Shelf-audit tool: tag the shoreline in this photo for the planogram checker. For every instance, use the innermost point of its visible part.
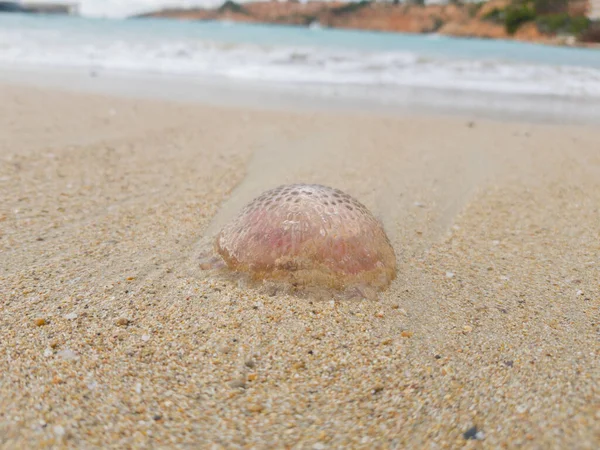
(558, 42)
(385, 100)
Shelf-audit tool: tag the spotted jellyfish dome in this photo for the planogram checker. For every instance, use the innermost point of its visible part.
(309, 234)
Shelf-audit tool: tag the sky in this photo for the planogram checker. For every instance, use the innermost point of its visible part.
(124, 8)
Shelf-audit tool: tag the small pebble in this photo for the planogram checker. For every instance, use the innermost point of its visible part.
(122, 322)
(473, 433)
(449, 274)
(145, 337)
(377, 389)
(299, 365)
(40, 322)
(237, 384)
(467, 329)
(225, 349)
(406, 334)
(71, 316)
(67, 355)
(255, 408)
(59, 431)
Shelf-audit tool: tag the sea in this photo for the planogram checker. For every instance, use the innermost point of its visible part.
(299, 56)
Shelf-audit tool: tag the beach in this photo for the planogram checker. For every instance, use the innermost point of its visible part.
(112, 336)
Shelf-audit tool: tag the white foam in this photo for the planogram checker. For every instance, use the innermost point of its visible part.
(132, 50)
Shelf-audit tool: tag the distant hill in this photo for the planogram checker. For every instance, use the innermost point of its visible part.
(11, 7)
(494, 19)
(39, 8)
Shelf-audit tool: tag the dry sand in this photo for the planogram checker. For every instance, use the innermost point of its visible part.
(111, 335)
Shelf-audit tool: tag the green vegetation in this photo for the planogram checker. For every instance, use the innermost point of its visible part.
(351, 7)
(230, 5)
(562, 24)
(550, 16)
(517, 15)
(545, 7)
(308, 19)
(496, 15)
(437, 24)
(592, 33)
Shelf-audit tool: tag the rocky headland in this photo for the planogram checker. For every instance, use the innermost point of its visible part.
(495, 19)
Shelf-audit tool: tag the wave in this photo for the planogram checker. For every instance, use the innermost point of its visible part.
(180, 54)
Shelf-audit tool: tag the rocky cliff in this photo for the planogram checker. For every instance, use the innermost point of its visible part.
(465, 20)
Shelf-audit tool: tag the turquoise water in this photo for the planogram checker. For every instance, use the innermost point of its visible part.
(298, 55)
(426, 45)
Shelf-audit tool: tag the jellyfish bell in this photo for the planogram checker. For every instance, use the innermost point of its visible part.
(308, 235)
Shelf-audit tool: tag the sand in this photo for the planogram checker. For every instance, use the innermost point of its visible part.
(112, 337)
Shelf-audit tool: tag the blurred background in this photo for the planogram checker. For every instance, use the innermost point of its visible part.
(518, 55)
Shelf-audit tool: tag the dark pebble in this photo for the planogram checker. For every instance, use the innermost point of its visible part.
(471, 433)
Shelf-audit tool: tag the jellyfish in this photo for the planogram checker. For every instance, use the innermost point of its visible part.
(308, 235)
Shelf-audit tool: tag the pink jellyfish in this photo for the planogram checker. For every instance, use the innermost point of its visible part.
(309, 235)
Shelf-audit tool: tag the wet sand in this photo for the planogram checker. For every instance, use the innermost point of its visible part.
(112, 336)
